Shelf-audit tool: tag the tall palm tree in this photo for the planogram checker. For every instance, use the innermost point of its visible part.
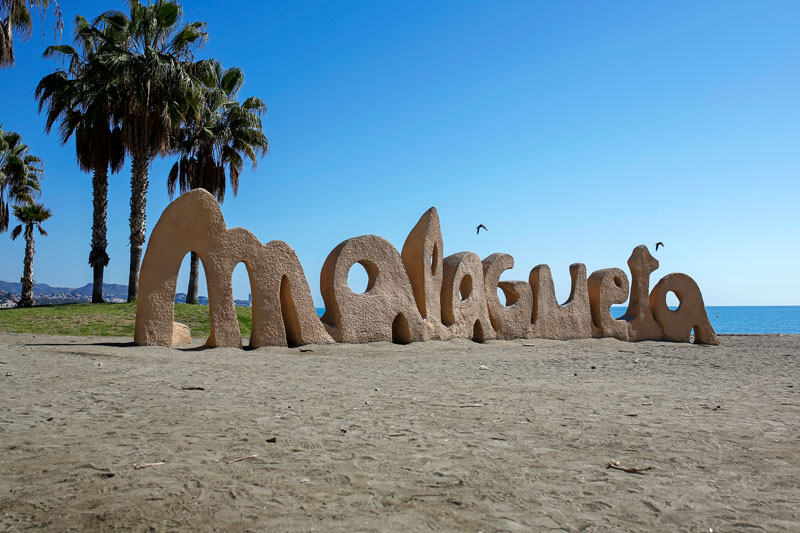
(147, 53)
(20, 172)
(15, 15)
(216, 142)
(81, 100)
(30, 215)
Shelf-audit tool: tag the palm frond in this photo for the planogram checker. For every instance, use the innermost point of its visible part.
(172, 180)
(60, 51)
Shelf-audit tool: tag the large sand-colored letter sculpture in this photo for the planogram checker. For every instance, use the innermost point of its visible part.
(417, 294)
(512, 319)
(386, 311)
(283, 310)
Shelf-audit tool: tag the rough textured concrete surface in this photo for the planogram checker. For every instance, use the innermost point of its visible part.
(282, 304)
(607, 287)
(641, 324)
(549, 320)
(690, 314)
(512, 320)
(181, 334)
(422, 258)
(414, 296)
(386, 311)
(193, 222)
(464, 310)
(283, 310)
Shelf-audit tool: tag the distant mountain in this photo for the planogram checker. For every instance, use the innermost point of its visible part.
(16, 288)
(180, 298)
(43, 289)
(47, 294)
(109, 289)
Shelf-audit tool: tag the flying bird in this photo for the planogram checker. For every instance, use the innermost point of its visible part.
(659, 243)
(479, 228)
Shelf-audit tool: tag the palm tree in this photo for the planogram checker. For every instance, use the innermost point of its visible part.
(15, 15)
(81, 100)
(216, 142)
(147, 54)
(30, 215)
(20, 172)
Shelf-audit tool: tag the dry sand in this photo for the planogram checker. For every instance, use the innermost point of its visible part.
(381, 437)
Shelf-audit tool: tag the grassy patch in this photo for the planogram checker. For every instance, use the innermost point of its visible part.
(104, 320)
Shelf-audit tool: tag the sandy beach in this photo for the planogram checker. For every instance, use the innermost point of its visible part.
(97, 434)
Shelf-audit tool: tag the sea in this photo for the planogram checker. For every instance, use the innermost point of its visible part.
(755, 319)
(739, 319)
(747, 319)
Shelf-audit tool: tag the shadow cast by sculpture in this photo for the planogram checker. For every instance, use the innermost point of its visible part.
(108, 344)
(414, 295)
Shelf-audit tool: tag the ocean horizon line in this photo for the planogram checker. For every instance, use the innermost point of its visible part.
(735, 319)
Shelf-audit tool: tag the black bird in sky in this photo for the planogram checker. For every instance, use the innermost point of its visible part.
(479, 228)
(659, 243)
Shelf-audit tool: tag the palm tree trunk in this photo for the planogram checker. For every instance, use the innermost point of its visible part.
(27, 272)
(4, 214)
(137, 221)
(194, 279)
(98, 258)
(6, 43)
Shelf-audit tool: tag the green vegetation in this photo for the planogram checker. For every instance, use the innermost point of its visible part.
(15, 17)
(217, 140)
(81, 104)
(104, 320)
(20, 174)
(30, 216)
(132, 85)
(147, 56)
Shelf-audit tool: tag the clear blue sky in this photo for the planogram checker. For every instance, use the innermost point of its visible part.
(573, 130)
